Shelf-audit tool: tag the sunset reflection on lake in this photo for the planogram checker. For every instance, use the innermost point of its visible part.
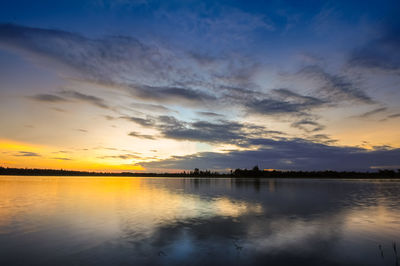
(171, 221)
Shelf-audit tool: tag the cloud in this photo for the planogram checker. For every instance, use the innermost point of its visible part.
(380, 53)
(151, 73)
(85, 98)
(138, 135)
(288, 155)
(109, 117)
(47, 98)
(119, 62)
(321, 138)
(283, 101)
(71, 95)
(122, 156)
(334, 88)
(60, 110)
(209, 114)
(171, 94)
(373, 112)
(27, 154)
(151, 107)
(146, 122)
(61, 158)
(220, 131)
(394, 115)
(216, 24)
(308, 125)
(203, 131)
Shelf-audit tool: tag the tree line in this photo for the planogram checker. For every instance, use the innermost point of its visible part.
(255, 172)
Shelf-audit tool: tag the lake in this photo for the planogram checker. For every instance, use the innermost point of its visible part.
(189, 221)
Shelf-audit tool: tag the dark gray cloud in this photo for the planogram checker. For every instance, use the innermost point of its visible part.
(394, 115)
(27, 154)
(171, 94)
(334, 88)
(373, 112)
(61, 158)
(209, 114)
(221, 131)
(142, 136)
(61, 152)
(380, 53)
(288, 94)
(240, 94)
(122, 156)
(109, 117)
(272, 106)
(308, 125)
(85, 98)
(146, 122)
(322, 138)
(70, 94)
(282, 101)
(287, 155)
(204, 131)
(151, 107)
(47, 98)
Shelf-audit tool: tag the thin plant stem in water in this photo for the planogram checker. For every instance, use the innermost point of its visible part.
(395, 253)
(380, 248)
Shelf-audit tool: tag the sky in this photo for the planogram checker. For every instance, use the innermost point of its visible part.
(165, 86)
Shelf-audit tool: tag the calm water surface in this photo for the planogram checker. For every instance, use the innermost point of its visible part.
(174, 221)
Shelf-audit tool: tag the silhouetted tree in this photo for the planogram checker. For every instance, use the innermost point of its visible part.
(196, 171)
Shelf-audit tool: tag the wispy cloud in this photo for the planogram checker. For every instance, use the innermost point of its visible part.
(97, 101)
(283, 101)
(27, 154)
(170, 94)
(142, 136)
(47, 98)
(308, 125)
(333, 87)
(61, 158)
(141, 121)
(394, 115)
(379, 53)
(373, 112)
(209, 114)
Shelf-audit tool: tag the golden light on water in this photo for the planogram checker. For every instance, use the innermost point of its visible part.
(102, 199)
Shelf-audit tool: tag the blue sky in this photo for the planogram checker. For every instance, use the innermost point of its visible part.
(170, 85)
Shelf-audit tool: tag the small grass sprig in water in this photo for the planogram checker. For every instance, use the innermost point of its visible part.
(395, 253)
(381, 250)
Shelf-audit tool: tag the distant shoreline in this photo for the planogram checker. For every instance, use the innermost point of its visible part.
(238, 173)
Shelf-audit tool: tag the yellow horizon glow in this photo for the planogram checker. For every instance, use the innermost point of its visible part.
(48, 159)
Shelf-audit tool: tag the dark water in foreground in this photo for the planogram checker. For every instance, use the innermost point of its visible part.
(174, 221)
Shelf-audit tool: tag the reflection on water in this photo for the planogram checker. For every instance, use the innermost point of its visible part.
(174, 221)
